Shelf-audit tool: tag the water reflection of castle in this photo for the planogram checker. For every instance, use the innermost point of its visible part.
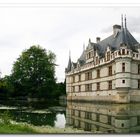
(104, 118)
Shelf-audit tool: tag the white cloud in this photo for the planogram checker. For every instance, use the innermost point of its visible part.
(58, 29)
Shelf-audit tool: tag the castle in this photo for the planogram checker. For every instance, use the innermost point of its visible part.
(108, 70)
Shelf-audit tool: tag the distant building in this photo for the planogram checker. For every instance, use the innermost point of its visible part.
(108, 70)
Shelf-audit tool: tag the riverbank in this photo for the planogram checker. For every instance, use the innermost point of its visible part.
(23, 128)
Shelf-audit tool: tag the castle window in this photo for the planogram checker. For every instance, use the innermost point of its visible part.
(122, 124)
(127, 52)
(79, 124)
(73, 89)
(137, 55)
(87, 126)
(88, 75)
(89, 55)
(110, 85)
(97, 60)
(108, 56)
(98, 86)
(113, 55)
(73, 112)
(138, 83)
(123, 81)
(73, 79)
(109, 120)
(94, 53)
(88, 115)
(79, 87)
(98, 73)
(123, 67)
(110, 71)
(79, 113)
(119, 53)
(123, 51)
(88, 87)
(138, 68)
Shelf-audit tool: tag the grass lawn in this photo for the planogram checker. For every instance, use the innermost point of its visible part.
(8, 126)
(15, 129)
(22, 128)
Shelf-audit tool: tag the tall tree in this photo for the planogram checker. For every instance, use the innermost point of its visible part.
(33, 73)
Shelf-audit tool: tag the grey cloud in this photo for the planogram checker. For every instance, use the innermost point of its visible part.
(133, 24)
(107, 29)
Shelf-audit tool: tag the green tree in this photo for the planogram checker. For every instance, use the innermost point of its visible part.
(5, 87)
(33, 73)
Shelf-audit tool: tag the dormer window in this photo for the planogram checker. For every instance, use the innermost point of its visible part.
(108, 56)
(123, 51)
(119, 53)
(97, 61)
(89, 55)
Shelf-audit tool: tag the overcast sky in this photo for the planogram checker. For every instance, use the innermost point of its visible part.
(58, 29)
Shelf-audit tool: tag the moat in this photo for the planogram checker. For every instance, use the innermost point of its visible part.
(92, 118)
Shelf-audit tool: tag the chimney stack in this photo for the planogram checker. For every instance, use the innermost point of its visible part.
(116, 29)
(98, 39)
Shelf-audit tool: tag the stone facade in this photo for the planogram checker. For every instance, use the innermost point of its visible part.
(107, 70)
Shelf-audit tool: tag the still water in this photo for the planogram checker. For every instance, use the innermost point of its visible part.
(90, 117)
(35, 113)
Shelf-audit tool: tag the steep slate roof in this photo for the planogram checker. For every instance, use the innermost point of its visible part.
(69, 65)
(82, 58)
(123, 36)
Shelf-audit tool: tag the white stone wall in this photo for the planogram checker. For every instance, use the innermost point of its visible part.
(104, 71)
(113, 84)
(82, 88)
(82, 76)
(104, 85)
(133, 121)
(94, 73)
(119, 82)
(122, 123)
(119, 65)
(113, 68)
(134, 68)
(134, 83)
(94, 86)
(130, 76)
(76, 78)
